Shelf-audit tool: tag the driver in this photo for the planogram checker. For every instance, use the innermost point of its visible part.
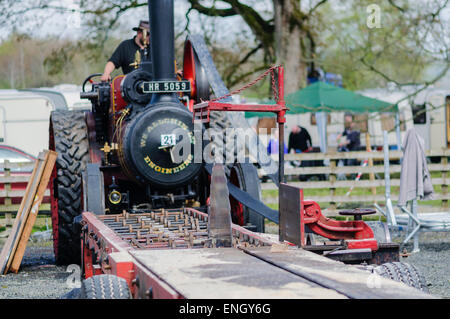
(126, 53)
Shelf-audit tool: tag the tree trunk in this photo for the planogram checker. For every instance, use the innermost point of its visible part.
(288, 39)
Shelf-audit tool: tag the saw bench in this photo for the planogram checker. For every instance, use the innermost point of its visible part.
(162, 259)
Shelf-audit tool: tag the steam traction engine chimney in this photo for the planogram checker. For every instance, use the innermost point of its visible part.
(162, 40)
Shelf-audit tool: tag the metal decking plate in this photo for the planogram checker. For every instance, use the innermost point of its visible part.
(345, 279)
(226, 273)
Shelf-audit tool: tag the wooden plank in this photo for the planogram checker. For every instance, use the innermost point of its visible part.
(8, 220)
(4, 179)
(342, 170)
(21, 217)
(444, 187)
(371, 174)
(347, 183)
(333, 164)
(43, 183)
(7, 200)
(18, 193)
(352, 198)
(226, 273)
(353, 169)
(28, 198)
(15, 207)
(22, 166)
(361, 155)
(8, 246)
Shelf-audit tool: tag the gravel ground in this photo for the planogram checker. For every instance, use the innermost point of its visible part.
(40, 278)
(433, 260)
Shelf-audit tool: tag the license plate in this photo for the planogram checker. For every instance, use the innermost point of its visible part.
(166, 86)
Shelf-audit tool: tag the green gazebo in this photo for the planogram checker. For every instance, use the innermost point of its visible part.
(321, 97)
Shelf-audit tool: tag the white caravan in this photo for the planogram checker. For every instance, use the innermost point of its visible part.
(24, 119)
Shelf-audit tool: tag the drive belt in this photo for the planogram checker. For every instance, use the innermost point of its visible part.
(249, 201)
(237, 118)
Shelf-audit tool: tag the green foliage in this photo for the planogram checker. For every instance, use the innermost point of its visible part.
(38, 228)
(366, 57)
(335, 37)
(26, 62)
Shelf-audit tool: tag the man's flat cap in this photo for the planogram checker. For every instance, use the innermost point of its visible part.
(142, 25)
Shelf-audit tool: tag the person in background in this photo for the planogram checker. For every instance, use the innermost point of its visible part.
(352, 141)
(299, 140)
(273, 146)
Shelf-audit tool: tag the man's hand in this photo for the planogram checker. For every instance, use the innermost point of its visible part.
(105, 77)
(109, 68)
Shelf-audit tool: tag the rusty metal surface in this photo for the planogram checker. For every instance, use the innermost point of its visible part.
(386, 253)
(171, 228)
(226, 273)
(165, 228)
(345, 279)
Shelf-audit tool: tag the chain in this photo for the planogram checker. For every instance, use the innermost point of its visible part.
(259, 78)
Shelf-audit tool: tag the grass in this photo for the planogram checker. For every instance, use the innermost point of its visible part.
(40, 224)
(357, 191)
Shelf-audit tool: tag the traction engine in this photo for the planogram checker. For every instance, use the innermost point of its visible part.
(136, 149)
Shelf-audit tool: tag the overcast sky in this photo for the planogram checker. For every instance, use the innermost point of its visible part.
(45, 23)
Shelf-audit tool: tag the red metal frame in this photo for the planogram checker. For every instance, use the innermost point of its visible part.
(114, 256)
(202, 110)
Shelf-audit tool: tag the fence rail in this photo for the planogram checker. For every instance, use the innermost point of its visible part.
(336, 190)
(13, 180)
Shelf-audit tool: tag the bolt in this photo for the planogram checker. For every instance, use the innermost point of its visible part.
(135, 281)
(149, 293)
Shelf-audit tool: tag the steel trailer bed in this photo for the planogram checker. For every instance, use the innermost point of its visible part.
(161, 259)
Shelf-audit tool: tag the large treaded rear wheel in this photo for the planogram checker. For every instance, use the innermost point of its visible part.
(69, 138)
(402, 272)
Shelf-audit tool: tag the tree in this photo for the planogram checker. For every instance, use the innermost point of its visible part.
(285, 35)
(408, 40)
(300, 34)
